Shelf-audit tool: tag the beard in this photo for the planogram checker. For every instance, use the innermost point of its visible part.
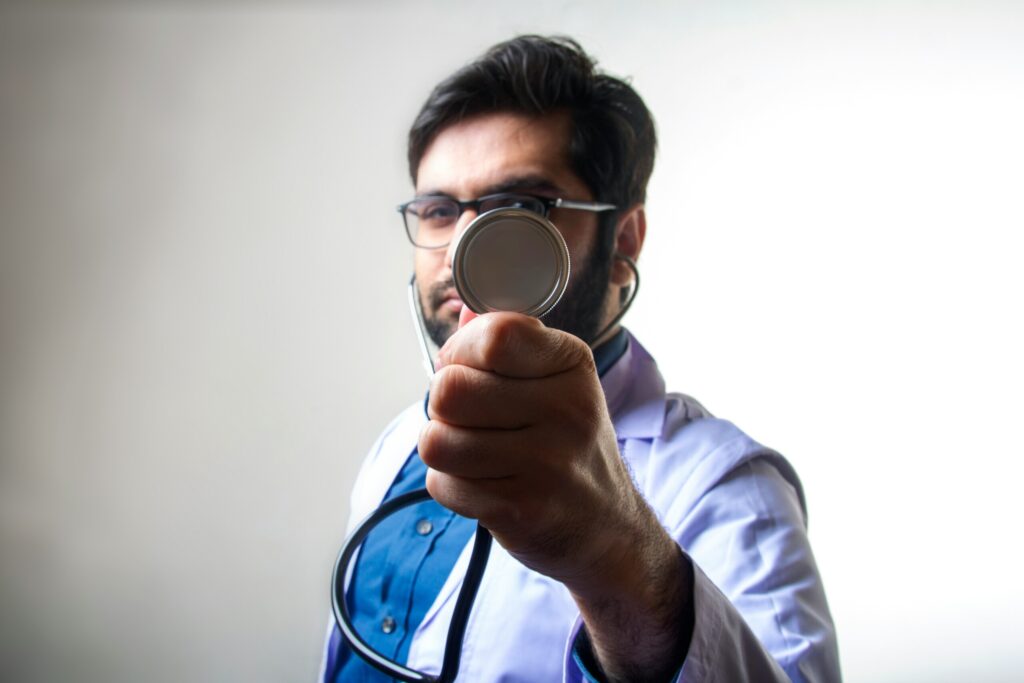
(580, 311)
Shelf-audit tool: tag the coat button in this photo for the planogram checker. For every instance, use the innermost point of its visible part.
(424, 527)
(387, 625)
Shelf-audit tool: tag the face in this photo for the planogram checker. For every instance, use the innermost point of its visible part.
(511, 153)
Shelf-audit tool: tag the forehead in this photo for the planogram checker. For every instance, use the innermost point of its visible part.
(470, 158)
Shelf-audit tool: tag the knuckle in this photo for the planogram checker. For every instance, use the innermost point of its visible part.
(437, 486)
(585, 358)
(578, 354)
(562, 351)
(446, 390)
(448, 491)
(501, 338)
(430, 443)
(427, 443)
(495, 341)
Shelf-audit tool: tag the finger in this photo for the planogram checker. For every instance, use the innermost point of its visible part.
(465, 315)
(467, 397)
(515, 345)
(482, 499)
(473, 453)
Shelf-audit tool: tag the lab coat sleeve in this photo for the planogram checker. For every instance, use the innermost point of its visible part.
(759, 606)
(723, 648)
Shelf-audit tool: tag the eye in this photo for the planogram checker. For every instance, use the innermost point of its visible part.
(436, 210)
(513, 201)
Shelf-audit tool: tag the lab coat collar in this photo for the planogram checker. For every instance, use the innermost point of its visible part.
(385, 461)
(635, 392)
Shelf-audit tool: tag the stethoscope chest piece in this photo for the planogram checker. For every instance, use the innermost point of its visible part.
(511, 260)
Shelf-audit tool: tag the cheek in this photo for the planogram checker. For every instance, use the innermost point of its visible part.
(581, 243)
(427, 264)
(580, 254)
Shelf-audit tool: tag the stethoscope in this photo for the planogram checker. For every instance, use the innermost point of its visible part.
(505, 260)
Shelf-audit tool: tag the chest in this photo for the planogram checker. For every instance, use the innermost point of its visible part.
(518, 628)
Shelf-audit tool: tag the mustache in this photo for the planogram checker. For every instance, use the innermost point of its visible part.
(438, 293)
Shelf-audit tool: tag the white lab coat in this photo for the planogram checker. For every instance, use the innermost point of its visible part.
(734, 506)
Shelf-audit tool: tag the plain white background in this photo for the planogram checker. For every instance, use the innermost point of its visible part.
(204, 327)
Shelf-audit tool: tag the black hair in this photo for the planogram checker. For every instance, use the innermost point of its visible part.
(613, 140)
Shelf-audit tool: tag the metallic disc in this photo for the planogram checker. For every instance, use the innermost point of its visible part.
(511, 260)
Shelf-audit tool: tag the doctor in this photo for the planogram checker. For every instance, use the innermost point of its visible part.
(637, 537)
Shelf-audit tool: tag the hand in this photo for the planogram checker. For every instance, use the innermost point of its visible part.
(519, 438)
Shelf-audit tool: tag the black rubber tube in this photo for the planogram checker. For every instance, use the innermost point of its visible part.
(463, 605)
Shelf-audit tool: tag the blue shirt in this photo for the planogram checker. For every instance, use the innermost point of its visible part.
(404, 562)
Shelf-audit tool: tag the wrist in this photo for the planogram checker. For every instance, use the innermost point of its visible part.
(638, 611)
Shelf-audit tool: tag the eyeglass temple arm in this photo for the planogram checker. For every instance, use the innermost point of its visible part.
(585, 206)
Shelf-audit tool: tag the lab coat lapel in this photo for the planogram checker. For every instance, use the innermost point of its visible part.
(635, 393)
(380, 470)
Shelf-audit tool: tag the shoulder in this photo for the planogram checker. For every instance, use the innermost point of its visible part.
(678, 451)
(409, 421)
(695, 453)
(385, 458)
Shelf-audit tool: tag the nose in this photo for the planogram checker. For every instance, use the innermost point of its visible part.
(461, 224)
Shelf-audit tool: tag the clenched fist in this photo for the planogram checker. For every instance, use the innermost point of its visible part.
(520, 439)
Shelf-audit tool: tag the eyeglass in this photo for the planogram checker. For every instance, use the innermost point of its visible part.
(430, 221)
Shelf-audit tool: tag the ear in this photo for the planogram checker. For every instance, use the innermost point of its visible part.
(629, 240)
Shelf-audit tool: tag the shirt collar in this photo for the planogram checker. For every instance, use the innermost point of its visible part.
(607, 353)
(635, 392)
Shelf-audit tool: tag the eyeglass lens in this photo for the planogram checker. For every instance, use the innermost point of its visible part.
(431, 220)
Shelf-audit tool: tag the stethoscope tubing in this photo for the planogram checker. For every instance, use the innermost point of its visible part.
(463, 604)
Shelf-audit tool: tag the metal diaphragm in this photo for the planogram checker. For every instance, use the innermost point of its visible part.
(511, 260)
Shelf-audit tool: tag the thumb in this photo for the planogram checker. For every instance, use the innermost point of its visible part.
(465, 316)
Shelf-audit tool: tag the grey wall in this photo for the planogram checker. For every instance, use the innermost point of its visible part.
(204, 327)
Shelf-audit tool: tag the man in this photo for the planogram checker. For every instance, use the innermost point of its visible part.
(638, 538)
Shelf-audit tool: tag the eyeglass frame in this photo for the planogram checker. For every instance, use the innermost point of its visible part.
(547, 202)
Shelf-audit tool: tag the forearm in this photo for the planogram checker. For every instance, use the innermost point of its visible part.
(639, 617)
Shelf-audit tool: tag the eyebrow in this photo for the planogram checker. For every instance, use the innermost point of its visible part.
(532, 182)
